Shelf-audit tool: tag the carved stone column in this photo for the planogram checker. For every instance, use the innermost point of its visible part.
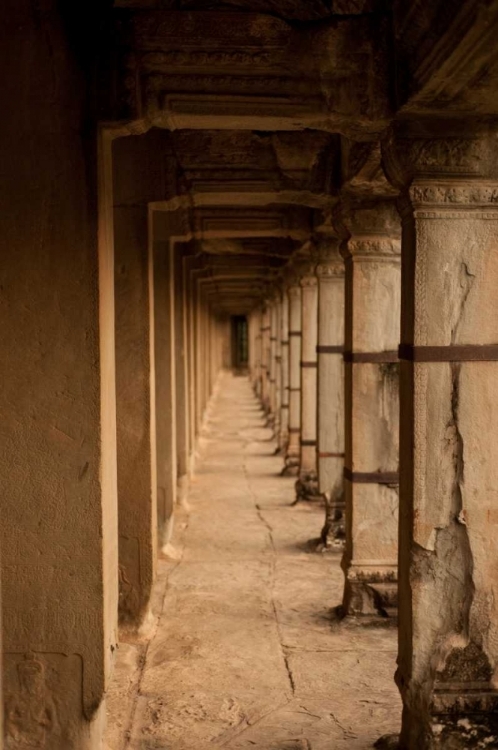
(373, 290)
(283, 437)
(307, 484)
(330, 389)
(448, 647)
(293, 454)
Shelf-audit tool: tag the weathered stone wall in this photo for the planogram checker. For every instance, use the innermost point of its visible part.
(58, 531)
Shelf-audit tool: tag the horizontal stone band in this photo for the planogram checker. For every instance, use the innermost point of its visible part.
(294, 430)
(273, 338)
(332, 349)
(308, 443)
(372, 357)
(330, 455)
(371, 477)
(308, 364)
(451, 353)
(284, 406)
(266, 328)
(294, 390)
(284, 343)
(294, 333)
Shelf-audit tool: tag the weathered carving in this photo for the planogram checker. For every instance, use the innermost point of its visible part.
(406, 156)
(30, 713)
(380, 246)
(308, 281)
(468, 194)
(194, 58)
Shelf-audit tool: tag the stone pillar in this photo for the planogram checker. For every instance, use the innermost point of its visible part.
(265, 359)
(330, 273)
(283, 437)
(307, 484)
(165, 387)
(278, 370)
(135, 386)
(58, 531)
(373, 290)
(272, 379)
(259, 353)
(190, 262)
(181, 384)
(448, 606)
(293, 454)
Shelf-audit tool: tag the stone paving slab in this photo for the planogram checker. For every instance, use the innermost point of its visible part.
(245, 651)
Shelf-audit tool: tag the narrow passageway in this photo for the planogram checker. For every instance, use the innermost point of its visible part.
(246, 653)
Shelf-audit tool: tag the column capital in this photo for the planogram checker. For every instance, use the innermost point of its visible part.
(294, 290)
(369, 228)
(330, 262)
(307, 281)
(442, 152)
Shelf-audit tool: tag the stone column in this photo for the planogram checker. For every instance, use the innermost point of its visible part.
(278, 370)
(307, 484)
(135, 402)
(181, 389)
(257, 345)
(273, 362)
(189, 262)
(293, 454)
(330, 273)
(373, 290)
(58, 531)
(265, 358)
(165, 380)
(135, 387)
(283, 437)
(448, 609)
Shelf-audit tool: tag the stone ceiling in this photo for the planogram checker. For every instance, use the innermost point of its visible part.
(271, 106)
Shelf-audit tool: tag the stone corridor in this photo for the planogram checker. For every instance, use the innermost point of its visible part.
(244, 651)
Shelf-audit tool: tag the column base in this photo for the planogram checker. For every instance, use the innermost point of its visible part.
(460, 731)
(333, 534)
(291, 468)
(370, 593)
(387, 742)
(307, 488)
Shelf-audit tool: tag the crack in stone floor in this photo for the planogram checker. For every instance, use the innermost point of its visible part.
(244, 652)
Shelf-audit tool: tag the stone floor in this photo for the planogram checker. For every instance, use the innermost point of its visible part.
(244, 651)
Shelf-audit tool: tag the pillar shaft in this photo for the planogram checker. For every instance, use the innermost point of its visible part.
(181, 383)
(58, 535)
(273, 314)
(278, 369)
(373, 289)
(265, 358)
(330, 273)
(307, 486)
(294, 447)
(135, 404)
(448, 648)
(283, 438)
